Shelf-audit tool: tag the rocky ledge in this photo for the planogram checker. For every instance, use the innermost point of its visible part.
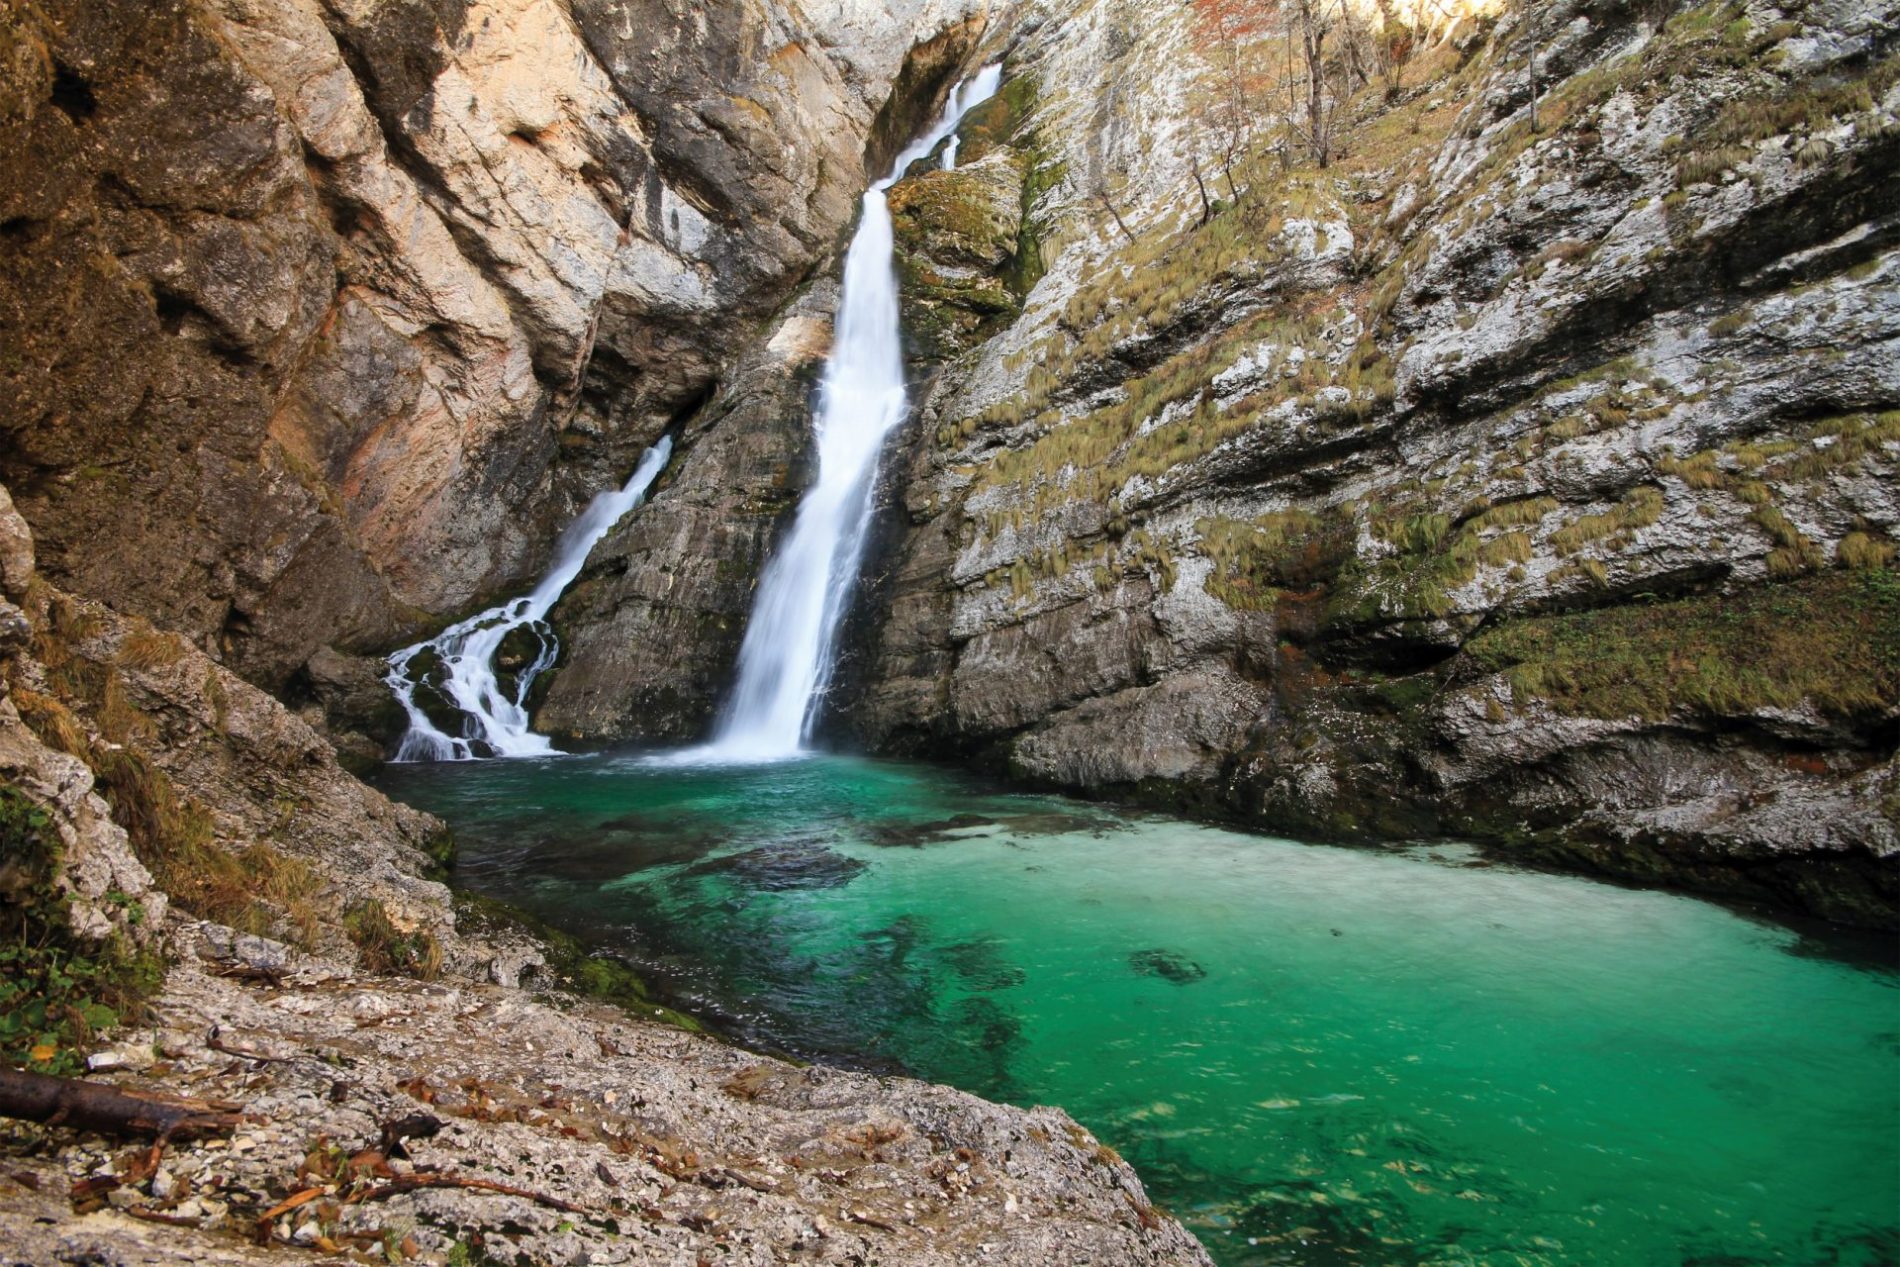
(392, 1120)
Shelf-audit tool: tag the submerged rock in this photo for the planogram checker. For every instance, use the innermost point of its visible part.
(898, 938)
(1169, 965)
(1055, 823)
(981, 965)
(992, 1028)
(917, 835)
(782, 867)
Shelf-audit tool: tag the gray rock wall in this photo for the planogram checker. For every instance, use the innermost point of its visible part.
(1532, 485)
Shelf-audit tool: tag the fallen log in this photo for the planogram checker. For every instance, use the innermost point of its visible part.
(109, 1110)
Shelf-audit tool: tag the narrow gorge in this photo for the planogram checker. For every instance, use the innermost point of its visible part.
(949, 631)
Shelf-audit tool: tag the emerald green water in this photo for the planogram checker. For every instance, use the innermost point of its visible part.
(1313, 1055)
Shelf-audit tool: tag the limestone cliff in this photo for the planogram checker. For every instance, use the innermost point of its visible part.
(1525, 472)
(318, 318)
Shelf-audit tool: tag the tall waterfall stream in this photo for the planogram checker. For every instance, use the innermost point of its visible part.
(787, 654)
(785, 659)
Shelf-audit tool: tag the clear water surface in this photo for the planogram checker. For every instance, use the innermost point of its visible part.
(1313, 1055)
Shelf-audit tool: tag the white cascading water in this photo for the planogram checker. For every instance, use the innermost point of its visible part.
(495, 720)
(806, 588)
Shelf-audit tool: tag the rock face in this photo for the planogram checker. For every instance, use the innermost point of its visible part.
(652, 627)
(1532, 484)
(168, 777)
(320, 319)
(1526, 478)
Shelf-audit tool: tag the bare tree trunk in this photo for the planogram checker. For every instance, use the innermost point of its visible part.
(1207, 207)
(1101, 196)
(1313, 38)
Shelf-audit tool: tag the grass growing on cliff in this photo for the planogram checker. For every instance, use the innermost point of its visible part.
(57, 990)
(388, 949)
(1831, 640)
(1255, 559)
(257, 890)
(90, 715)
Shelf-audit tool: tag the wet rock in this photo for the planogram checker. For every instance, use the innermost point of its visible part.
(354, 696)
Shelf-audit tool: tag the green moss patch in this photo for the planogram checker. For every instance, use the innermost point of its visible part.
(969, 213)
(1831, 640)
(57, 990)
(576, 967)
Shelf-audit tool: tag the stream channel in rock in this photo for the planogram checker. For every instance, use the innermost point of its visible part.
(1312, 1054)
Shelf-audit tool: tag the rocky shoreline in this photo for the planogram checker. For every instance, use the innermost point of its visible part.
(563, 1129)
(638, 1143)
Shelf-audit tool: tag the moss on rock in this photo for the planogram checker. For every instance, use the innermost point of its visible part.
(968, 216)
(57, 990)
(1831, 641)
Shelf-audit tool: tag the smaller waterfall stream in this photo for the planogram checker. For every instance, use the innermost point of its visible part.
(787, 653)
(465, 672)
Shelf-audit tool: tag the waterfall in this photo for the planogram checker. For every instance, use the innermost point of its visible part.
(459, 665)
(786, 656)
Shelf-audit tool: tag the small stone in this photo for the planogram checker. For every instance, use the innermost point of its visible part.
(164, 1184)
(307, 1234)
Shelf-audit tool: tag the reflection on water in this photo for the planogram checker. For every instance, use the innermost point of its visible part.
(1312, 1054)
